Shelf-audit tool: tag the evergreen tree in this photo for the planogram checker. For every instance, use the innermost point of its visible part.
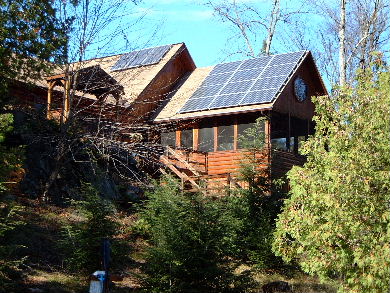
(337, 222)
(29, 34)
(191, 239)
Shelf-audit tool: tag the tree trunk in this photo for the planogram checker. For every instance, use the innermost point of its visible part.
(342, 62)
(271, 29)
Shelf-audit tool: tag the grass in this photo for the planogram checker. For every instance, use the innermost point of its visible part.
(299, 281)
(56, 282)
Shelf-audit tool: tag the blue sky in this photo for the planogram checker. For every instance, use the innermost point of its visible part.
(192, 23)
(188, 22)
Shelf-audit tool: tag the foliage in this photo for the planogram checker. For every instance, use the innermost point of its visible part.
(337, 222)
(255, 207)
(10, 221)
(29, 34)
(10, 157)
(83, 240)
(190, 238)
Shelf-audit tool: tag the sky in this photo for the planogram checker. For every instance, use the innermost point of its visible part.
(206, 36)
(186, 21)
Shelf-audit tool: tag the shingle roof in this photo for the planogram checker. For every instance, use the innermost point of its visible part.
(133, 80)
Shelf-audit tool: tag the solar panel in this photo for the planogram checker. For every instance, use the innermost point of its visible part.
(224, 101)
(207, 91)
(237, 87)
(258, 97)
(196, 104)
(141, 58)
(282, 69)
(255, 63)
(268, 83)
(225, 67)
(287, 58)
(247, 82)
(217, 78)
(245, 75)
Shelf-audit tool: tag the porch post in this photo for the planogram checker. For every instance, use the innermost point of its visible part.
(195, 138)
(49, 98)
(67, 99)
(267, 132)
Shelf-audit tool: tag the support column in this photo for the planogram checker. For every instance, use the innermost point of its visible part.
(267, 132)
(49, 99)
(196, 138)
(235, 135)
(67, 100)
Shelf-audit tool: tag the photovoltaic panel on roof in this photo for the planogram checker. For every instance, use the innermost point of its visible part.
(141, 58)
(244, 75)
(224, 101)
(225, 67)
(237, 87)
(216, 78)
(248, 82)
(255, 63)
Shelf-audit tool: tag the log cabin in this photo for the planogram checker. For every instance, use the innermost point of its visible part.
(199, 115)
(212, 108)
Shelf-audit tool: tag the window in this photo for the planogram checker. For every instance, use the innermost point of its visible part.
(206, 139)
(291, 144)
(279, 143)
(243, 136)
(186, 140)
(249, 136)
(225, 137)
(168, 138)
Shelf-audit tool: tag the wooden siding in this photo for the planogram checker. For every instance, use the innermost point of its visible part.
(283, 161)
(287, 102)
(218, 163)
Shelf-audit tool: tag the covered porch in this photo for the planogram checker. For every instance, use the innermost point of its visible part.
(209, 153)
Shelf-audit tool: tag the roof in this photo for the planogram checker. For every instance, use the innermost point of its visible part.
(133, 78)
(241, 86)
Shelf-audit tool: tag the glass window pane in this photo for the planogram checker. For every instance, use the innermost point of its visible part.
(206, 139)
(291, 144)
(186, 138)
(279, 143)
(168, 138)
(225, 137)
(249, 136)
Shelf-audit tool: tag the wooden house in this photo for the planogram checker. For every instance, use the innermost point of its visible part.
(213, 106)
(197, 114)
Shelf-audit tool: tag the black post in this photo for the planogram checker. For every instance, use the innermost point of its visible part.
(106, 263)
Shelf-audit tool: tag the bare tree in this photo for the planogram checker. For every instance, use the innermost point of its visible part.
(341, 34)
(348, 32)
(255, 24)
(86, 88)
(342, 62)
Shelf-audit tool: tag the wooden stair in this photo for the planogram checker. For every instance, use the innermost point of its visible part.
(182, 168)
(192, 168)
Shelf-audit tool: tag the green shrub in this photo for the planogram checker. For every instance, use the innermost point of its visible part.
(83, 240)
(190, 243)
(10, 261)
(255, 207)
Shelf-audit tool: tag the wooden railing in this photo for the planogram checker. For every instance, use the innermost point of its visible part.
(219, 170)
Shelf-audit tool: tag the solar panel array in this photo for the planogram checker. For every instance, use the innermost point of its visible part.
(141, 58)
(241, 83)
